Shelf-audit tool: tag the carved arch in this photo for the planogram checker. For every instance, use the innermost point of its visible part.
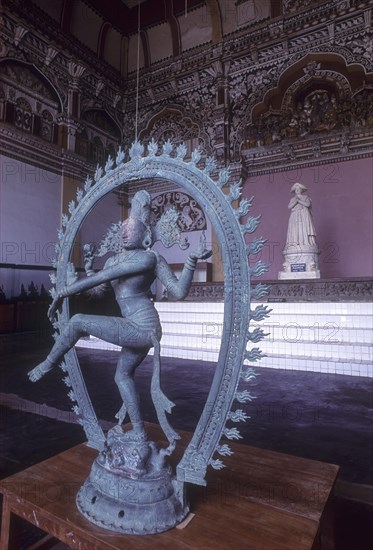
(11, 65)
(172, 123)
(324, 79)
(312, 95)
(332, 67)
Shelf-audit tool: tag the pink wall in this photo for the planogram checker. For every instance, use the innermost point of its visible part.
(30, 200)
(342, 197)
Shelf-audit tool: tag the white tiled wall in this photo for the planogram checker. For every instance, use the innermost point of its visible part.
(319, 337)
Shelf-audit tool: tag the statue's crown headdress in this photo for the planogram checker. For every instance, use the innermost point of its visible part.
(140, 207)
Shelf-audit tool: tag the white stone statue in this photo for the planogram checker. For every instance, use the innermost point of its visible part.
(301, 230)
(301, 250)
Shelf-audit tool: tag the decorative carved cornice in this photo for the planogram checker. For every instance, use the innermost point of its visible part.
(321, 290)
(44, 155)
(247, 63)
(310, 151)
(232, 48)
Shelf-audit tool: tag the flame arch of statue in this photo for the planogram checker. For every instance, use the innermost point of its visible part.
(217, 205)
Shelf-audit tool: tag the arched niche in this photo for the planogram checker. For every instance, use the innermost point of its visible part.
(316, 67)
(313, 95)
(28, 79)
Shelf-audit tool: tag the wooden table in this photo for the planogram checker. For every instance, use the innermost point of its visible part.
(262, 500)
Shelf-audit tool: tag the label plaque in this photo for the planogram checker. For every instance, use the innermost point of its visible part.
(296, 268)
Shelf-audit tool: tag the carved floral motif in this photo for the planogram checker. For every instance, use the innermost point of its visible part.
(174, 126)
(191, 216)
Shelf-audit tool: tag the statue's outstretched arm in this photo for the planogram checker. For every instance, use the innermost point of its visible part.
(117, 269)
(179, 287)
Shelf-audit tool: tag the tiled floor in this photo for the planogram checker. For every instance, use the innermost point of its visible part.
(327, 417)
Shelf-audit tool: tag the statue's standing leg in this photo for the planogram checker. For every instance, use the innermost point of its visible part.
(129, 360)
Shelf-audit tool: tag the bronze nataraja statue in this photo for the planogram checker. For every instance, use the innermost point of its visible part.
(131, 273)
(132, 487)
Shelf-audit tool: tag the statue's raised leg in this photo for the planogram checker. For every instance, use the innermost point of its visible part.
(115, 330)
(78, 326)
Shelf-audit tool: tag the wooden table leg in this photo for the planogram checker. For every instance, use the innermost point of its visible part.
(327, 526)
(5, 539)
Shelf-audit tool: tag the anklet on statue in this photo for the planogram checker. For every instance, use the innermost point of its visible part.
(39, 371)
(46, 366)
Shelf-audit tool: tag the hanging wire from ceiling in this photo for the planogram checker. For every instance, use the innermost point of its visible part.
(138, 63)
(137, 70)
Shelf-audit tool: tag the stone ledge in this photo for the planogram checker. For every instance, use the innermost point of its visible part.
(354, 289)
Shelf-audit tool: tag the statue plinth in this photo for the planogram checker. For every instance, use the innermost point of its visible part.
(300, 262)
(131, 489)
